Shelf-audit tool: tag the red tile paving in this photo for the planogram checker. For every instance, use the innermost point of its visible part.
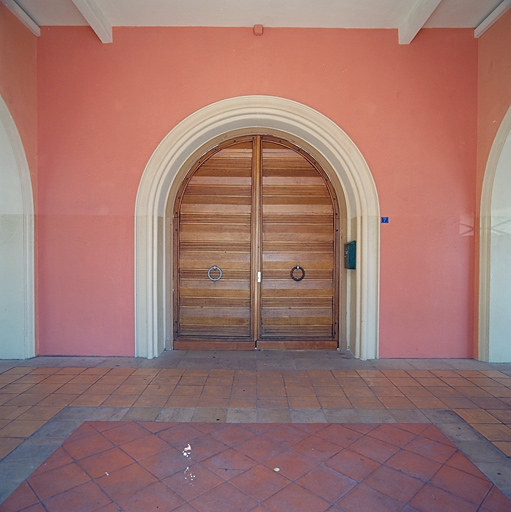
(31, 396)
(155, 466)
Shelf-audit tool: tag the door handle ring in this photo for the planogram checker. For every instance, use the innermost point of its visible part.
(292, 273)
(214, 268)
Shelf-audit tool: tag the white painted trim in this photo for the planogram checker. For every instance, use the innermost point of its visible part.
(22, 16)
(416, 18)
(485, 237)
(492, 18)
(28, 228)
(96, 18)
(180, 148)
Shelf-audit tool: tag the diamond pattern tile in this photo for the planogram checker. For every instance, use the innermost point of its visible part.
(296, 498)
(211, 467)
(193, 481)
(260, 482)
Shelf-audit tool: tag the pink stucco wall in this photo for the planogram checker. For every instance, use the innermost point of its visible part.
(103, 109)
(18, 81)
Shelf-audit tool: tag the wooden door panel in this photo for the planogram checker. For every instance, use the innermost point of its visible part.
(298, 228)
(255, 205)
(214, 219)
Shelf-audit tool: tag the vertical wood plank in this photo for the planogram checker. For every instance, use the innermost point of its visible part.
(256, 237)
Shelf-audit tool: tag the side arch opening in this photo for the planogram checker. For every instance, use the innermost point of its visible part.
(17, 337)
(494, 249)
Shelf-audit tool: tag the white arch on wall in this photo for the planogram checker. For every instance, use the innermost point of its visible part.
(490, 286)
(17, 215)
(178, 151)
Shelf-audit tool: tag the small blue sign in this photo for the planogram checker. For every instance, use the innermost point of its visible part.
(384, 220)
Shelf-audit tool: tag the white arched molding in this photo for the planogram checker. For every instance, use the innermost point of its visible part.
(27, 344)
(191, 138)
(485, 233)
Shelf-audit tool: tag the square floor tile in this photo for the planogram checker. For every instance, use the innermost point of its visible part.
(83, 498)
(105, 462)
(144, 447)
(373, 448)
(179, 435)
(352, 464)
(156, 497)
(393, 483)
(125, 481)
(317, 448)
(20, 499)
(8, 444)
(285, 435)
(496, 501)
(260, 449)
(229, 463)
(492, 431)
(166, 462)
(366, 498)
(414, 464)
(125, 433)
(327, 483)
(87, 446)
(433, 450)
(55, 481)
(291, 464)
(461, 484)
(296, 498)
(393, 435)
(232, 435)
(433, 499)
(192, 481)
(224, 498)
(260, 482)
(204, 447)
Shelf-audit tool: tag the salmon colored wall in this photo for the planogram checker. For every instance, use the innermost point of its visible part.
(18, 81)
(103, 109)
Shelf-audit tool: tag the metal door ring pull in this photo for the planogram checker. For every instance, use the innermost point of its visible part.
(301, 269)
(214, 268)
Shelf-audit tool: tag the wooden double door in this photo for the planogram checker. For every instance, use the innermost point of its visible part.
(255, 261)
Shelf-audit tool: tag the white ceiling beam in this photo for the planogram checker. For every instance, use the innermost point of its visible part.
(96, 18)
(415, 19)
(22, 16)
(492, 18)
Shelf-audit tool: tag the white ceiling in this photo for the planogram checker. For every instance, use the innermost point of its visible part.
(404, 15)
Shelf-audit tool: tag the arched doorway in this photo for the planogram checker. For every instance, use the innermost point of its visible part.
(16, 245)
(495, 247)
(256, 243)
(186, 143)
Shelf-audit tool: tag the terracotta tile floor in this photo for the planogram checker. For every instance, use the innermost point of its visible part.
(261, 467)
(411, 435)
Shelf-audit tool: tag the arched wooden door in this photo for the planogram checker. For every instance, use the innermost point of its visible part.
(256, 237)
